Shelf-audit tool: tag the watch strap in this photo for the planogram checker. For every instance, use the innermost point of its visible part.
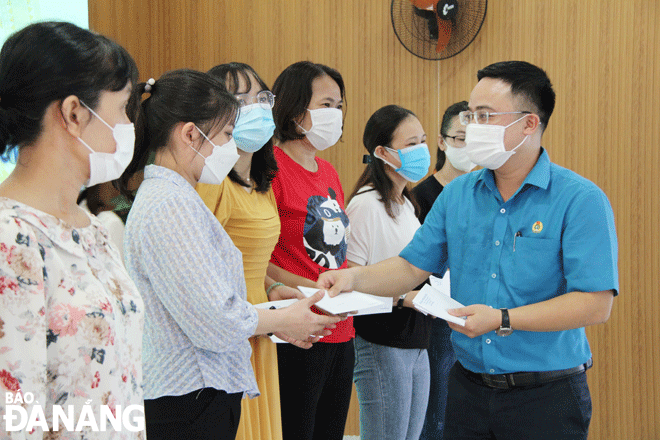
(506, 323)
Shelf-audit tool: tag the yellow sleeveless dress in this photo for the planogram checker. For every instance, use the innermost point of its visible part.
(253, 223)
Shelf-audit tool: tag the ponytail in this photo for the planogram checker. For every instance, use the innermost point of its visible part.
(182, 95)
(135, 112)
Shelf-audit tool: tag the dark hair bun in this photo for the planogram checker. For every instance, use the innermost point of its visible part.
(5, 129)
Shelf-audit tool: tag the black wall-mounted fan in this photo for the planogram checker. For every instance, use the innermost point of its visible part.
(437, 30)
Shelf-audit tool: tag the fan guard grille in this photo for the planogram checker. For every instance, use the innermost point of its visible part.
(413, 31)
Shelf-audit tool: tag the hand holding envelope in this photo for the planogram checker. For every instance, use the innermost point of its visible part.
(348, 302)
(432, 301)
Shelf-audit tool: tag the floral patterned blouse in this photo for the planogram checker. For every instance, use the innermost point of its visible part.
(71, 325)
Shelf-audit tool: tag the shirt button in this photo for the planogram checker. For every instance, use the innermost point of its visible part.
(494, 275)
(497, 243)
(502, 210)
(487, 341)
(492, 371)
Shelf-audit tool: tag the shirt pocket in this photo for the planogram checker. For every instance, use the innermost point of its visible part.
(537, 268)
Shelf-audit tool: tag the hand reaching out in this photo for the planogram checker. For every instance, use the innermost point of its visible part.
(336, 281)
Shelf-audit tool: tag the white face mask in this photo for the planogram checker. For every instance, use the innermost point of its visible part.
(326, 127)
(105, 167)
(484, 144)
(459, 158)
(219, 163)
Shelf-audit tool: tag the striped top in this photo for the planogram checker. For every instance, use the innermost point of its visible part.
(190, 276)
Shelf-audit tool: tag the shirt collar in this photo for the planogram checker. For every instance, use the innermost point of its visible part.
(159, 172)
(539, 176)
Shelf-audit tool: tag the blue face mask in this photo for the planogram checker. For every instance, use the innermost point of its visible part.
(415, 162)
(254, 127)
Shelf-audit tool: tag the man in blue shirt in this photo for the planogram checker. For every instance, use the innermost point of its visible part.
(533, 255)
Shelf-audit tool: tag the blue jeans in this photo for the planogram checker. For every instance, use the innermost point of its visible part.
(393, 389)
(559, 410)
(441, 359)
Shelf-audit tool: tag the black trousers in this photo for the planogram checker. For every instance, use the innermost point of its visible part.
(559, 410)
(315, 390)
(206, 414)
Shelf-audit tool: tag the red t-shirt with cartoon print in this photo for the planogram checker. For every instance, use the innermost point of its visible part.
(314, 227)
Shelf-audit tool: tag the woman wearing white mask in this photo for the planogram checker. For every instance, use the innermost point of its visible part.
(452, 162)
(391, 362)
(452, 159)
(315, 385)
(197, 355)
(70, 317)
(245, 206)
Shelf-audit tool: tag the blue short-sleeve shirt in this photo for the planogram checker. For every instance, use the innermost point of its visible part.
(555, 235)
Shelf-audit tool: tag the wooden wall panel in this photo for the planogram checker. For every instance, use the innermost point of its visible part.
(602, 57)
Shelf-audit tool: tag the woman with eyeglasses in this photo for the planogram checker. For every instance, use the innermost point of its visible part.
(245, 206)
(391, 363)
(452, 161)
(315, 384)
(198, 321)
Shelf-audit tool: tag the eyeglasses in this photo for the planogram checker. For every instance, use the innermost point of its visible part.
(458, 141)
(480, 116)
(264, 98)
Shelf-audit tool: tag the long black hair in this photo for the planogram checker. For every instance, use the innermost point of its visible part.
(178, 96)
(48, 61)
(379, 130)
(264, 165)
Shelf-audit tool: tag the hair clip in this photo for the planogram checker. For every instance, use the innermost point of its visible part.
(148, 86)
(366, 158)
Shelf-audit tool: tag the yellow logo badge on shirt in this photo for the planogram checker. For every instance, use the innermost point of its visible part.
(537, 227)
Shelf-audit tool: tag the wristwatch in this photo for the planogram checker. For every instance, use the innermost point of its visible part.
(399, 303)
(505, 328)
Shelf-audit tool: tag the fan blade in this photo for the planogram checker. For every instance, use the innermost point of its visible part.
(444, 34)
(423, 4)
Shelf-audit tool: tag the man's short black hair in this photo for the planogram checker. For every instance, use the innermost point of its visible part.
(528, 82)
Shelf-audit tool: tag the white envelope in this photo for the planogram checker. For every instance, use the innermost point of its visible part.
(431, 301)
(384, 306)
(442, 284)
(345, 302)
